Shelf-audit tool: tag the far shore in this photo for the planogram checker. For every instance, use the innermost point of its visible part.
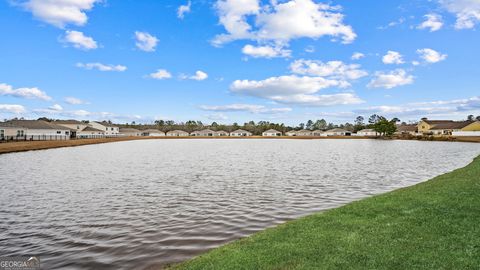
(22, 146)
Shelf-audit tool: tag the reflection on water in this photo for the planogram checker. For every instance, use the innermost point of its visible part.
(131, 205)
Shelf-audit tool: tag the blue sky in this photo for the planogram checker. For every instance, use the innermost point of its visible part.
(239, 60)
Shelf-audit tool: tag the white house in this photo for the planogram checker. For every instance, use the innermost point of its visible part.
(41, 130)
(221, 133)
(272, 133)
(203, 133)
(130, 132)
(337, 132)
(9, 132)
(90, 133)
(177, 133)
(318, 133)
(240, 133)
(110, 129)
(153, 133)
(74, 126)
(291, 133)
(367, 133)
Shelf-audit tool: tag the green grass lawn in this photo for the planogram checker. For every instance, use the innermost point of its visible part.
(432, 225)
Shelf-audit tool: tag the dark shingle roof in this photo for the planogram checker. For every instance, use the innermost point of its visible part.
(36, 124)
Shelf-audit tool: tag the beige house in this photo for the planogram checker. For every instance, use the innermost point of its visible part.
(177, 133)
(367, 133)
(90, 133)
(110, 129)
(153, 133)
(338, 132)
(443, 127)
(472, 130)
(291, 133)
(240, 133)
(407, 130)
(41, 130)
(203, 133)
(130, 132)
(318, 133)
(9, 132)
(304, 132)
(272, 133)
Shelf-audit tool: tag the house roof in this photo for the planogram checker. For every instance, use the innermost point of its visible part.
(337, 130)
(8, 125)
(152, 131)
(407, 128)
(272, 130)
(105, 123)
(318, 131)
(177, 131)
(222, 131)
(204, 131)
(68, 122)
(367, 130)
(92, 129)
(304, 130)
(240, 131)
(451, 125)
(36, 124)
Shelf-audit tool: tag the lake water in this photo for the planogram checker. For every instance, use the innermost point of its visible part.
(144, 204)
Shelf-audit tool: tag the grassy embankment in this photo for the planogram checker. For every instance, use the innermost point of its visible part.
(432, 225)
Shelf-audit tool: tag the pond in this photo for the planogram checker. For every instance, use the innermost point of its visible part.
(145, 204)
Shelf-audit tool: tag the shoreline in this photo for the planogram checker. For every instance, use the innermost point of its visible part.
(424, 226)
(23, 146)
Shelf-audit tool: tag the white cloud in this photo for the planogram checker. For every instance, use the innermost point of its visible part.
(56, 107)
(391, 79)
(79, 40)
(357, 56)
(160, 74)
(12, 108)
(60, 13)
(431, 56)
(280, 21)
(332, 70)
(101, 67)
(433, 22)
(294, 90)
(245, 108)
(184, 9)
(265, 51)
(199, 76)
(466, 11)
(27, 93)
(400, 21)
(74, 101)
(217, 116)
(310, 49)
(393, 57)
(145, 41)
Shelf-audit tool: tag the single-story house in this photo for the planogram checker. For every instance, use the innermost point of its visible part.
(203, 133)
(318, 133)
(472, 129)
(367, 133)
(177, 133)
(110, 129)
(90, 133)
(338, 132)
(240, 133)
(221, 133)
(10, 132)
(41, 130)
(153, 133)
(441, 127)
(291, 133)
(130, 132)
(271, 133)
(304, 132)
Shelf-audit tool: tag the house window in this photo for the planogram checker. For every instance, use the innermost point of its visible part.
(20, 133)
(2, 133)
(59, 132)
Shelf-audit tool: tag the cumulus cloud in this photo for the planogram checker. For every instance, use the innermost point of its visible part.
(332, 69)
(466, 11)
(24, 92)
(75, 101)
(391, 79)
(160, 74)
(357, 56)
(280, 22)
(217, 116)
(102, 67)
(79, 40)
(145, 41)
(433, 22)
(294, 89)
(184, 9)
(56, 107)
(199, 76)
(393, 57)
(60, 13)
(245, 108)
(12, 108)
(266, 51)
(431, 56)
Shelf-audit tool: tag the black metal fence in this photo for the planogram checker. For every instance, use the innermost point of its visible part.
(34, 138)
